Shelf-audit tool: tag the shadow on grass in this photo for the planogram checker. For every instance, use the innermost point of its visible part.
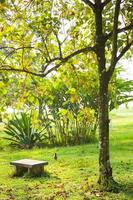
(124, 192)
(127, 189)
(45, 176)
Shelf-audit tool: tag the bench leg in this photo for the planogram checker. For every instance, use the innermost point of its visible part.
(36, 171)
(20, 170)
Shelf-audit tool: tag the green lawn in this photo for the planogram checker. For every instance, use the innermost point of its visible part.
(76, 171)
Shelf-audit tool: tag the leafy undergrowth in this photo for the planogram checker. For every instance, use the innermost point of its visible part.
(74, 175)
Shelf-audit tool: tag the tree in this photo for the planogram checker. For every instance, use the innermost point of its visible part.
(33, 42)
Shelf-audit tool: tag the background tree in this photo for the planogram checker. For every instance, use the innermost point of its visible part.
(36, 37)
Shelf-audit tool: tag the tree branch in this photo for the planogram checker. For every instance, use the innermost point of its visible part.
(45, 44)
(59, 43)
(115, 34)
(19, 48)
(115, 38)
(64, 60)
(55, 67)
(90, 4)
(124, 50)
(44, 67)
(8, 68)
(105, 3)
(13, 50)
(9, 54)
(126, 28)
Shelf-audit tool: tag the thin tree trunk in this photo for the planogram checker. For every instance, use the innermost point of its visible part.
(40, 110)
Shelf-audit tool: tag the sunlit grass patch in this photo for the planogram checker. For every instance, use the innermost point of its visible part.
(74, 175)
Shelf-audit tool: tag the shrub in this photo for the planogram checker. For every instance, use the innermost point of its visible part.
(22, 134)
(69, 128)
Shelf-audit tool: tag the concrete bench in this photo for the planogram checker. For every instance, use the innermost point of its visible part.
(33, 167)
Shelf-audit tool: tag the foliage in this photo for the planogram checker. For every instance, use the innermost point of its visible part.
(56, 102)
(37, 34)
(71, 129)
(22, 134)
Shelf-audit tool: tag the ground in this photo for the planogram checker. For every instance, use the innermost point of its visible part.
(75, 172)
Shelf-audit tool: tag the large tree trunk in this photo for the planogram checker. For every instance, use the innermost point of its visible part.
(105, 170)
(105, 181)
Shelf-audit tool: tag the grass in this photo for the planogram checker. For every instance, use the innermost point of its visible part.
(75, 172)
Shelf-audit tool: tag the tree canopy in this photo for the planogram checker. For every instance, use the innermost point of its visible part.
(29, 30)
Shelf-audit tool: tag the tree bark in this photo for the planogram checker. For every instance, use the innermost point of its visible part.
(105, 170)
(105, 180)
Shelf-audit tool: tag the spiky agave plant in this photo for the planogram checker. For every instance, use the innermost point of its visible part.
(22, 134)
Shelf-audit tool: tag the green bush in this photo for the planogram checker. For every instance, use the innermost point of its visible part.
(69, 128)
(22, 134)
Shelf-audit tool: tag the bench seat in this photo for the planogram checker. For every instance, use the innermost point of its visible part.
(33, 167)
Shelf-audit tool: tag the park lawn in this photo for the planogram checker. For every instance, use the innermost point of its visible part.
(75, 172)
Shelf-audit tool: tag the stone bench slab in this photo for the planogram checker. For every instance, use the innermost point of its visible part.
(33, 167)
(28, 163)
